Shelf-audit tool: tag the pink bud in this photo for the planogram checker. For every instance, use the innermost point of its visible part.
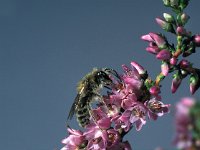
(175, 83)
(163, 55)
(164, 68)
(158, 39)
(173, 61)
(153, 49)
(165, 25)
(196, 39)
(138, 67)
(161, 23)
(184, 63)
(194, 83)
(147, 37)
(154, 90)
(181, 30)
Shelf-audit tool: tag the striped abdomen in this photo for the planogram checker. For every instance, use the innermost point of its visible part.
(83, 111)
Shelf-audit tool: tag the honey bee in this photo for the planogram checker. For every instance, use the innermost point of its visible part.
(88, 90)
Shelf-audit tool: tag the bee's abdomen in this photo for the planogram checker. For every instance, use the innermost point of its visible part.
(82, 114)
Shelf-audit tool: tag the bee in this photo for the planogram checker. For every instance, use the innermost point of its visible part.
(88, 90)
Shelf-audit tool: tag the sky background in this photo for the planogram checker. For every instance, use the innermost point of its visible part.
(47, 46)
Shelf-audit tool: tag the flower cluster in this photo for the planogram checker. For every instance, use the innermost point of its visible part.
(187, 124)
(169, 53)
(183, 138)
(129, 104)
(134, 97)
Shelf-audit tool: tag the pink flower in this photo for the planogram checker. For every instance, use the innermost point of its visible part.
(96, 137)
(183, 138)
(101, 118)
(113, 138)
(156, 108)
(138, 115)
(122, 122)
(156, 41)
(74, 141)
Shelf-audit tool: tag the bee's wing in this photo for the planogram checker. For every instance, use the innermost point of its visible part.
(73, 108)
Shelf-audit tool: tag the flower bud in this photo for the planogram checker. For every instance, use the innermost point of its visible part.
(196, 40)
(147, 38)
(159, 40)
(164, 68)
(138, 67)
(176, 82)
(173, 61)
(154, 90)
(184, 18)
(163, 55)
(165, 25)
(194, 83)
(153, 49)
(169, 18)
(181, 30)
(184, 63)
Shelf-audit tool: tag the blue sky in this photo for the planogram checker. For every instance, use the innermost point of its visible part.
(47, 46)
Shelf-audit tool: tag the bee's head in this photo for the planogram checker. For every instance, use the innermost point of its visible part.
(102, 77)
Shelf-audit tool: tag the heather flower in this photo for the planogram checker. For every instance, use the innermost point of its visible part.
(156, 108)
(135, 114)
(101, 118)
(183, 138)
(113, 138)
(96, 137)
(155, 40)
(75, 140)
(122, 122)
